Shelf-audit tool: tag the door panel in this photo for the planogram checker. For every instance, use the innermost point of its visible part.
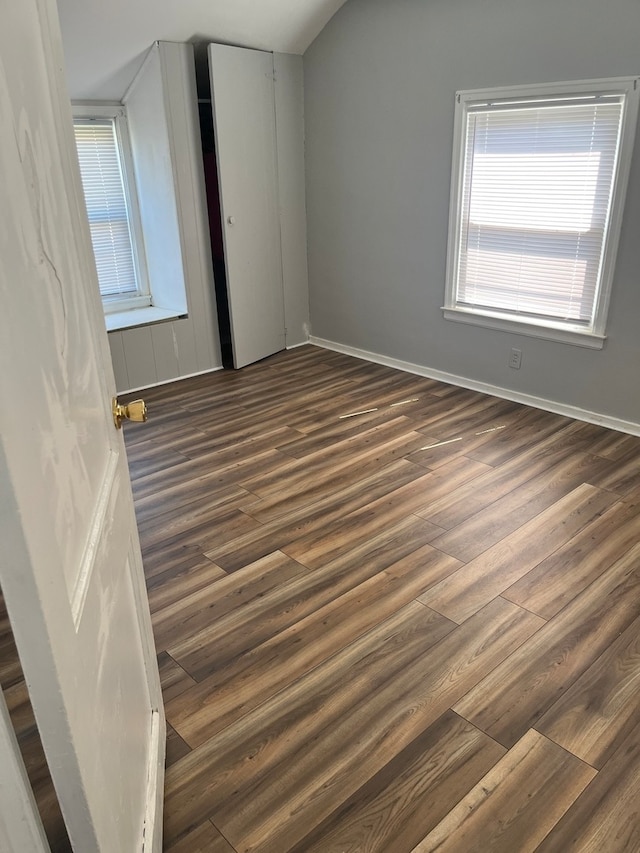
(71, 573)
(243, 102)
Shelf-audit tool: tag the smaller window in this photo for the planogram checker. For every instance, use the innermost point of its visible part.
(538, 185)
(109, 190)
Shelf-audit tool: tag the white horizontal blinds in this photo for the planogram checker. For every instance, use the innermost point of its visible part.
(537, 188)
(106, 205)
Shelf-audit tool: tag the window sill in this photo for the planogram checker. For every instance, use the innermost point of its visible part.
(139, 317)
(576, 337)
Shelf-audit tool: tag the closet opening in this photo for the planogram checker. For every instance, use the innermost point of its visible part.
(209, 159)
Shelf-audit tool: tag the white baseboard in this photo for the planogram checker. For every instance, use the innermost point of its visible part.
(169, 381)
(300, 344)
(496, 391)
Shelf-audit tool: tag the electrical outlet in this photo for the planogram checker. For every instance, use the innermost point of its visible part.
(515, 359)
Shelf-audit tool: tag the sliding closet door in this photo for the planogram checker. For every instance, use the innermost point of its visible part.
(242, 95)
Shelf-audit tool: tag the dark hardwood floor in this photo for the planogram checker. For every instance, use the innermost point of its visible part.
(391, 614)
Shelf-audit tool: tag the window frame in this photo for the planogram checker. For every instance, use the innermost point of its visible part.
(142, 298)
(594, 335)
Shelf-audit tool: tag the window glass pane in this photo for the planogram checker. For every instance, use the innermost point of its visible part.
(536, 198)
(106, 206)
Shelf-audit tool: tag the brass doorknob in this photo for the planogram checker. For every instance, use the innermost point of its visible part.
(134, 411)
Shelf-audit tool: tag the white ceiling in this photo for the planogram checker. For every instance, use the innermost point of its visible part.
(106, 40)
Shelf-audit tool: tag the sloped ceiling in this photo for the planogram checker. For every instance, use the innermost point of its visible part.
(105, 41)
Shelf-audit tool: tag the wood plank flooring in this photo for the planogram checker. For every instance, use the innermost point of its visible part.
(23, 719)
(391, 615)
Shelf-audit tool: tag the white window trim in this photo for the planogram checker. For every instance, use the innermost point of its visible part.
(143, 298)
(593, 336)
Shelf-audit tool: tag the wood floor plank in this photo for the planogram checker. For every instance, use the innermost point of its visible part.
(327, 435)
(160, 461)
(169, 520)
(247, 680)
(319, 778)
(256, 442)
(521, 690)
(324, 501)
(602, 706)
(173, 679)
(471, 587)
(388, 393)
(614, 445)
(207, 606)
(202, 653)
(26, 730)
(332, 540)
(176, 747)
(469, 416)
(302, 521)
(516, 804)
(363, 453)
(285, 724)
(232, 473)
(173, 585)
(506, 515)
(401, 803)
(605, 816)
(548, 587)
(439, 452)
(160, 561)
(532, 426)
(623, 477)
(383, 687)
(469, 499)
(184, 493)
(221, 524)
(204, 839)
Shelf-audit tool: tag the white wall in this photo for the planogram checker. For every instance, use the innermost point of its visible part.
(379, 106)
(106, 42)
(165, 134)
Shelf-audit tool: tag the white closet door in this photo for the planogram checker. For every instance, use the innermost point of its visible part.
(243, 102)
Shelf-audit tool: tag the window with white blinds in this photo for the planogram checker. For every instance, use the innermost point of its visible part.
(534, 192)
(109, 210)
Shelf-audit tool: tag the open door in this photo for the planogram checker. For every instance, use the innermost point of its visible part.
(243, 103)
(70, 568)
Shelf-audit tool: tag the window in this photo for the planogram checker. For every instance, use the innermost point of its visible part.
(106, 170)
(537, 194)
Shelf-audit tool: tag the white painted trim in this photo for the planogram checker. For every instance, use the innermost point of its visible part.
(301, 344)
(140, 317)
(20, 824)
(484, 388)
(520, 327)
(152, 840)
(169, 381)
(127, 172)
(627, 89)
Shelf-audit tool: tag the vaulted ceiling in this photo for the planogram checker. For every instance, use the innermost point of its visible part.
(106, 40)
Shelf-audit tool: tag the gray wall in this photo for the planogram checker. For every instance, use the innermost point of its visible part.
(379, 103)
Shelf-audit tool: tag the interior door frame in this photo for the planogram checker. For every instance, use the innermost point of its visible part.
(20, 825)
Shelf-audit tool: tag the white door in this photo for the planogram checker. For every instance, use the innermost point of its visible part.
(70, 567)
(243, 102)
